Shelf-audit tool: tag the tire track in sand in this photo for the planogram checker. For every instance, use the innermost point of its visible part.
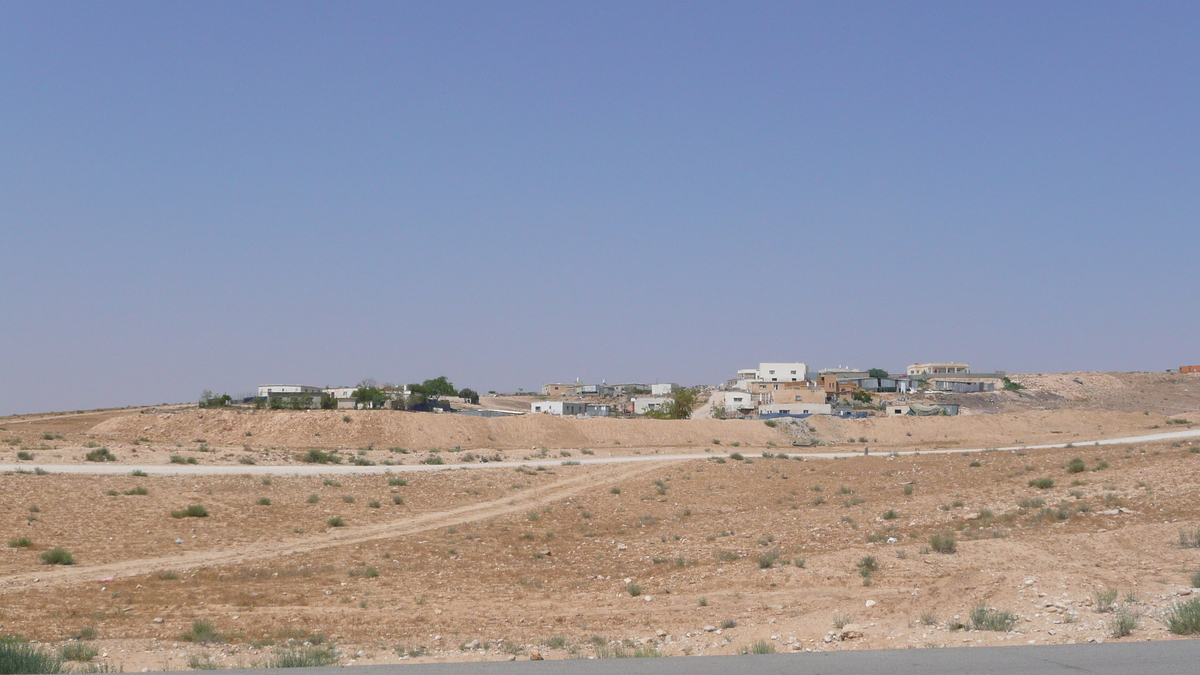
(342, 536)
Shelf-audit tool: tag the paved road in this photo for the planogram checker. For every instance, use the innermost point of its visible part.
(1175, 657)
(325, 469)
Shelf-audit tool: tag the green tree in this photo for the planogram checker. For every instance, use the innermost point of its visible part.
(680, 407)
(862, 396)
(469, 395)
(368, 395)
(211, 400)
(877, 372)
(434, 389)
(328, 402)
(683, 402)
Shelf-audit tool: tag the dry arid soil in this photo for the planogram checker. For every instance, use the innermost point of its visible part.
(672, 557)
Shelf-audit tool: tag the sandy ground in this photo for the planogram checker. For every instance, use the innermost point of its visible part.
(491, 563)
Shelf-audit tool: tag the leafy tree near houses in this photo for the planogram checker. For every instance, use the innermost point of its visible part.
(877, 372)
(434, 389)
(369, 396)
(211, 400)
(328, 402)
(680, 407)
(683, 402)
(469, 395)
(862, 396)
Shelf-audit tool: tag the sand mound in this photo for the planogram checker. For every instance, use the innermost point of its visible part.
(421, 431)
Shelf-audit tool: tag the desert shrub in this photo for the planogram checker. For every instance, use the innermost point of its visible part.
(986, 618)
(1123, 623)
(20, 542)
(78, 651)
(1189, 539)
(138, 490)
(845, 490)
(433, 460)
(908, 490)
(890, 514)
(1042, 483)
(264, 501)
(1031, 503)
(396, 482)
(335, 522)
(316, 456)
(138, 473)
(58, 556)
(737, 456)
(361, 461)
(349, 499)
(943, 542)
(1183, 618)
(974, 464)
(1195, 575)
(100, 455)
(1076, 465)
(176, 459)
(245, 459)
(759, 647)
(347, 419)
(928, 618)
(1106, 600)
(86, 633)
(771, 423)
(374, 505)
(24, 455)
(364, 572)
(313, 498)
(634, 590)
(193, 511)
(397, 499)
(18, 656)
(767, 559)
(202, 632)
(615, 491)
(202, 661)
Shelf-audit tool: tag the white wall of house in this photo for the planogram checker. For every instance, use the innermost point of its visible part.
(558, 407)
(782, 372)
(663, 389)
(341, 392)
(265, 390)
(733, 400)
(642, 404)
(795, 409)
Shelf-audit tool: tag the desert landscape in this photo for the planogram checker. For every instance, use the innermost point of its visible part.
(375, 536)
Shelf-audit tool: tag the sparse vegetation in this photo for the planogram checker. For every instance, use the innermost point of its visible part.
(58, 556)
(943, 542)
(1183, 618)
(1105, 600)
(986, 618)
(79, 651)
(1123, 623)
(18, 656)
(100, 455)
(193, 511)
(1042, 483)
(335, 522)
(759, 647)
(202, 632)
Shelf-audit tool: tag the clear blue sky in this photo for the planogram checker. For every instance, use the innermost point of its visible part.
(216, 195)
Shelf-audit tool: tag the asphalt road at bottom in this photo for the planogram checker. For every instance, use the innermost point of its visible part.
(1173, 657)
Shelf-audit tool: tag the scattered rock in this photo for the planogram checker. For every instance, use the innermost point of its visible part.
(870, 603)
(535, 655)
(709, 629)
(158, 619)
